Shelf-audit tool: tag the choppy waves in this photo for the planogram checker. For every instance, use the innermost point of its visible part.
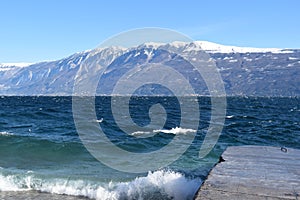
(156, 185)
(39, 135)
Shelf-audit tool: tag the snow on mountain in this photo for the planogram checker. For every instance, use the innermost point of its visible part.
(211, 47)
(9, 66)
(218, 48)
(153, 45)
(245, 70)
(21, 64)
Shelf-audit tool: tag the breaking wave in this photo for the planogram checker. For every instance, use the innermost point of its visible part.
(156, 185)
(174, 131)
(5, 133)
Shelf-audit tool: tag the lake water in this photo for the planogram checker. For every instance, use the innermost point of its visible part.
(42, 155)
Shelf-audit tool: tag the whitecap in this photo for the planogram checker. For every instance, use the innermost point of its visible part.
(99, 120)
(158, 184)
(139, 133)
(176, 131)
(5, 133)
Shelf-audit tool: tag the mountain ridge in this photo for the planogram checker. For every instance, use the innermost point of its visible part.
(245, 71)
(210, 47)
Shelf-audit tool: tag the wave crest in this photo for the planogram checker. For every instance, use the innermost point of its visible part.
(174, 131)
(156, 185)
(5, 133)
(177, 130)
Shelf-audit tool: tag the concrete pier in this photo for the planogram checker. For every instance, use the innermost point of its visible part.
(254, 172)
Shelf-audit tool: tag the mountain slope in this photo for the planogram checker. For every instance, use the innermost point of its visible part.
(245, 71)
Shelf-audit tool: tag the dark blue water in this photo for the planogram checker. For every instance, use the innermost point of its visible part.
(40, 148)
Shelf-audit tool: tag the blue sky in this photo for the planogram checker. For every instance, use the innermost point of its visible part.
(35, 30)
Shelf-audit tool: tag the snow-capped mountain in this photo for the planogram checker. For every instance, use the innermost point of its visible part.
(211, 47)
(244, 70)
(9, 65)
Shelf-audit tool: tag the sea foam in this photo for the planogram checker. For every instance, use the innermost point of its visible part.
(156, 185)
(5, 133)
(174, 131)
(177, 130)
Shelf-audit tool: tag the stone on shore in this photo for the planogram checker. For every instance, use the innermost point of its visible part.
(254, 172)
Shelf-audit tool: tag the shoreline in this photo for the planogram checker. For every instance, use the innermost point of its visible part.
(37, 195)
